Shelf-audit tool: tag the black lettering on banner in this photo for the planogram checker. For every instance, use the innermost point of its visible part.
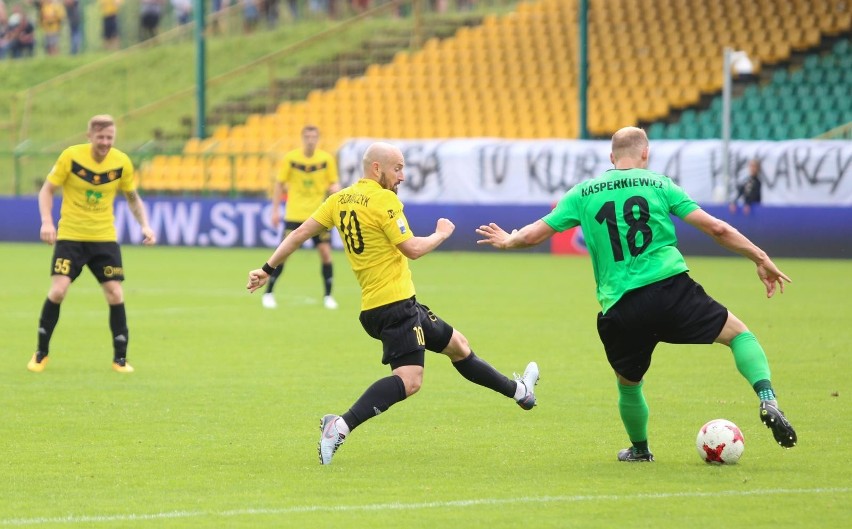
(493, 164)
(553, 172)
(795, 166)
(808, 167)
(842, 165)
(422, 165)
(672, 168)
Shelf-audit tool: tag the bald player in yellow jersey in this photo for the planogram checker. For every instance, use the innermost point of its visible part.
(90, 175)
(378, 243)
(308, 175)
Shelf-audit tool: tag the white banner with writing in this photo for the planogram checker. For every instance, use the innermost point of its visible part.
(494, 171)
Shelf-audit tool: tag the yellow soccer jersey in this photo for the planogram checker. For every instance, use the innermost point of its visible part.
(371, 224)
(109, 7)
(88, 192)
(307, 180)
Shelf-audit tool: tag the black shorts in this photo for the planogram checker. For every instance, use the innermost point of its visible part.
(406, 329)
(674, 310)
(322, 237)
(102, 258)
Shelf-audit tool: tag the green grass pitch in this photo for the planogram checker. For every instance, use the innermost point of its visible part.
(219, 424)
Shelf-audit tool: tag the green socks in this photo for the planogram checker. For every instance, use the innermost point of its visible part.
(752, 364)
(634, 414)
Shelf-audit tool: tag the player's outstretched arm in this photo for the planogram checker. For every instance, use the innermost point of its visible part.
(417, 247)
(258, 277)
(529, 235)
(729, 238)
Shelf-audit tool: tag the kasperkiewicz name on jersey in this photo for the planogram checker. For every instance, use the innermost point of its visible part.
(621, 183)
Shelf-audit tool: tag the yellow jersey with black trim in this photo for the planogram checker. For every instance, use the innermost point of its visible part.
(88, 192)
(371, 223)
(308, 179)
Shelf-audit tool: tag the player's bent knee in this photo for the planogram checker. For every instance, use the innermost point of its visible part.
(412, 378)
(458, 348)
(733, 328)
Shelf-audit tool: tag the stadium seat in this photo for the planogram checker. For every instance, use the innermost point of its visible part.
(514, 76)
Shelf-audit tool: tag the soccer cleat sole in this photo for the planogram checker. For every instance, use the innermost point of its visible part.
(782, 431)
(626, 455)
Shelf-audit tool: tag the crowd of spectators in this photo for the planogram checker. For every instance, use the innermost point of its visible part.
(31, 27)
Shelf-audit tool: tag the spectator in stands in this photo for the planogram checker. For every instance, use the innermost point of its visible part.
(109, 16)
(251, 14)
(317, 7)
(307, 176)
(50, 21)
(149, 18)
(293, 6)
(216, 8)
(183, 11)
(269, 9)
(21, 33)
(75, 26)
(748, 191)
(4, 31)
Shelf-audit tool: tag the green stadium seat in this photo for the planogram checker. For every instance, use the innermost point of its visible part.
(742, 131)
(674, 131)
(711, 115)
(688, 117)
(791, 105)
(797, 77)
(656, 131)
(710, 130)
(815, 77)
(807, 105)
(762, 132)
(779, 132)
(690, 131)
(779, 77)
(750, 91)
(753, 104)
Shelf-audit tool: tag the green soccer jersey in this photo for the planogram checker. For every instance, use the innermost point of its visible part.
(625, 217)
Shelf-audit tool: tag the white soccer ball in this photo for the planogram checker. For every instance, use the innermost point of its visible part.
(720, 442)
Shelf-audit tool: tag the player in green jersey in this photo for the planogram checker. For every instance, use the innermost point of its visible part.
(378, 244)
(645, 293)
(90, 176)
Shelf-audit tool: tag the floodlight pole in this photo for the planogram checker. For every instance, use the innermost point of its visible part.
(722, 191)
(200, 71)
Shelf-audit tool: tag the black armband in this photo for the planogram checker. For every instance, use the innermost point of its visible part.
(268, 269)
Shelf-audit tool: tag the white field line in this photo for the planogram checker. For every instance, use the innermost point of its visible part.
(88, 519)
